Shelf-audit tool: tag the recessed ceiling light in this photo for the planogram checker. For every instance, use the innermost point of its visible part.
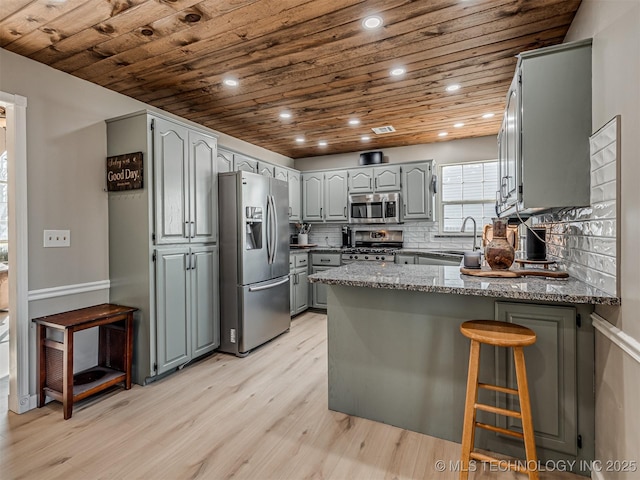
(453, 88)
(285, 115)
(230, 82)
(458, 125)
(322, 143)
(365, 138)
(299, 139)
(372, 22)
(354, 121)
(488, 115)
(396, 72)
(443, 134)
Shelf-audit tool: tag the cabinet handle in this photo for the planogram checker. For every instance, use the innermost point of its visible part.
(325, 259)
(370, 183)
(345, 211)
(321, 213)
(193, 229)
(375, 183)
(290, 211)
(193, 261)
(187, 262)
(297, 279)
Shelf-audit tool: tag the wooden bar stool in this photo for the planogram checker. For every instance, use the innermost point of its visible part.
(499, 334)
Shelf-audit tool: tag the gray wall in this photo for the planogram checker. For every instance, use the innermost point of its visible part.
(465, 150)
(66, 151)
(615, 28)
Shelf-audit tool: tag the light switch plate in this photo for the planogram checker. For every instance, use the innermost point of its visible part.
(57, 238)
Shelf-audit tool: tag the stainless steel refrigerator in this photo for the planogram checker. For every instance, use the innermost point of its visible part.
(254, 260)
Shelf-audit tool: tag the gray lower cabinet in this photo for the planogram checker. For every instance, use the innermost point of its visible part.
(551, 374)
(319, 263)
(186, 303)
(299, 283)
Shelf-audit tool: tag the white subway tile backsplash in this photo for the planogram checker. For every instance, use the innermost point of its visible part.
(583, 240)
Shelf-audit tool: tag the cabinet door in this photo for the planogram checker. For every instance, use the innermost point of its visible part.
(416, 191)
(509, 166)
(170, 142)
(551, 373)
(203, 188)
(281, 173)
(319, 290)
(335, 198)
(225, 161)
(292, 293)
(265, 169)
(294, 196)
(173, 327)
(386, 179)
(302, 290)
(312, 197)
(361, 180)
(240, 162)
(205, 307)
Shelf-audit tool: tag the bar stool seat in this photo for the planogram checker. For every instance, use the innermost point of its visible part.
(499, 334)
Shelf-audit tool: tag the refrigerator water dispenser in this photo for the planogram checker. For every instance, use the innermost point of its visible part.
(253, 228)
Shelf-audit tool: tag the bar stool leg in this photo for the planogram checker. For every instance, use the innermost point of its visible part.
(525, 410)
(469, 423)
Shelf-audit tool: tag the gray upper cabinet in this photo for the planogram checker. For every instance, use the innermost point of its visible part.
(281, 173)
(551, 373)
(185, 181)
(335, 198)
(295, 199)
(324, 196)
(225, 161)
(417, 191)
(374, 179)
(266, 169)
(544, 143)
(246, 164)
(312, 197)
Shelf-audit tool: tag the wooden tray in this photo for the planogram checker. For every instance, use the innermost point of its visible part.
(306, 245)
(513, 273)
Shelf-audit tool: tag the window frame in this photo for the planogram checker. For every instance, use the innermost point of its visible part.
(441, 204)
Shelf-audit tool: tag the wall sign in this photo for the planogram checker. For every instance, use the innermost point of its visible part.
(124, 172)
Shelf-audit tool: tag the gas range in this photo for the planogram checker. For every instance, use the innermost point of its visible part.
(359, 254)
(373, 246)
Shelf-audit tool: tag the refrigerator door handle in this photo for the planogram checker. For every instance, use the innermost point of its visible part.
(269, 233)
(271, 285)
(274, 229)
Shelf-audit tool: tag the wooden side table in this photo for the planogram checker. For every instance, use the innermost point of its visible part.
(55, 359)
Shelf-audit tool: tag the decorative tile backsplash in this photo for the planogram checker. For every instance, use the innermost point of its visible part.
(583, 240)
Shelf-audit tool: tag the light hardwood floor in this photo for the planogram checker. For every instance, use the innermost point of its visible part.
(261, 417)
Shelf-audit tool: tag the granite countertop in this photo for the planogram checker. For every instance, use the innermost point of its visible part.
(448, 279)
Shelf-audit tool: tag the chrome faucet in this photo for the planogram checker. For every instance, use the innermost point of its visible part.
(475, 230)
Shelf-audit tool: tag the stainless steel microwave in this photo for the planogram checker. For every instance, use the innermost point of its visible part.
(374, 208)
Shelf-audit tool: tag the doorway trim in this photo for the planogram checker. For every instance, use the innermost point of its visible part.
(16, 112)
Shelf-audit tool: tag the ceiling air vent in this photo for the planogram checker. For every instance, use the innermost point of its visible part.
(385, 129)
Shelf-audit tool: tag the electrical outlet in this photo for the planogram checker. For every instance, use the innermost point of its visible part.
(57, 238)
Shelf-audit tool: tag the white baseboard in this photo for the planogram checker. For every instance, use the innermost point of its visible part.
(626, 342)
(63, 290)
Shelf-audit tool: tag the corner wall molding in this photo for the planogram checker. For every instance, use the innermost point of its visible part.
(624, 341)
(63, 290)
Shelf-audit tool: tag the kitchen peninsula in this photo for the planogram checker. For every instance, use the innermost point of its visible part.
(396, 354)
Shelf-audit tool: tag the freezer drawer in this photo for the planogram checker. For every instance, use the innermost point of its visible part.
(264, 312)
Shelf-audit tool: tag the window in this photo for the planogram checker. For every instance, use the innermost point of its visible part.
(468, 189)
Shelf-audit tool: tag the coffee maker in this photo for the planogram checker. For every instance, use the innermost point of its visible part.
(346, 236)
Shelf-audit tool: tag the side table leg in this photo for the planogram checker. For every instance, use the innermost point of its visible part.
(128, 353)
(67, 373)
(41, 333)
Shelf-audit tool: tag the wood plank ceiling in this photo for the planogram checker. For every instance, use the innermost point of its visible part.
(311, 58)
